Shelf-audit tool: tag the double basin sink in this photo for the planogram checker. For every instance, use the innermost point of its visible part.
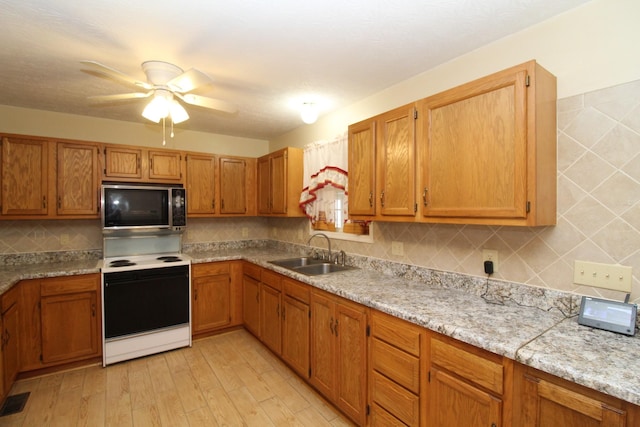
(310, 266)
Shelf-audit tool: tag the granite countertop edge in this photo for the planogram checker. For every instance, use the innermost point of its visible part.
(554, 343)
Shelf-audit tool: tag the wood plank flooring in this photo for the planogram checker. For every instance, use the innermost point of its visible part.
(224, 380)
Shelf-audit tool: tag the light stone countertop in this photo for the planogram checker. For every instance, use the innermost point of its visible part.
(544, 339)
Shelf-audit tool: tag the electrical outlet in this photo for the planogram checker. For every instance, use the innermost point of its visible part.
(64, 239)
(490, 255)
(608, 276)
(245, 232)
(299, 234)
(397, 248)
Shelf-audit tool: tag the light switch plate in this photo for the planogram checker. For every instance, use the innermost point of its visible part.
(397, 248)
(608, 276)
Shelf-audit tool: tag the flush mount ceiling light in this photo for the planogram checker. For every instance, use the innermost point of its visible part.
(309, 112)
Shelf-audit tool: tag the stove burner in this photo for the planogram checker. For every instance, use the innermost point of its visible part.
(169, 259)
(121, 263)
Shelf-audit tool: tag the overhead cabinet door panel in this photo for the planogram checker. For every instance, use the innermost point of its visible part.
(476, 152)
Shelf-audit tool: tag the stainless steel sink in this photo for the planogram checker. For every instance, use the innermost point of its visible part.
(324, 268)
(296, 262)
(310, 266)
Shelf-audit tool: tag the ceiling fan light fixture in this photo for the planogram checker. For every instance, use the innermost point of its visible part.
(177, 112)
(309, 112)
(157, 108)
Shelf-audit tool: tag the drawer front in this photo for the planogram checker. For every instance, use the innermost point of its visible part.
(381, 418)
(70, 285)
(403, 404)
(296, 290)
(395, 364)
(210, 269)
(401, 334)
(272, 279)
(251, 270)
(475, 368)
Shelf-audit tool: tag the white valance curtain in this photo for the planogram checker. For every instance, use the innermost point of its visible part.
(325, 175)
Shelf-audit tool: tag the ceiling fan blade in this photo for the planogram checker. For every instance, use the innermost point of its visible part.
(189, 80)
(120, 96)
(112, 72)
(202, 101)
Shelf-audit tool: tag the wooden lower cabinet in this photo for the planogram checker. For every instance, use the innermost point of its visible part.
(215, 296)
(9, 361)
(466, 385)
(271, 311)
(548, 401)
(339, 352)
(251, 298)
(70, 318)
(296, 326)
(397, 372)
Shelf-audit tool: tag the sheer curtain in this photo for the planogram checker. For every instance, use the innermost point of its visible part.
(325, 181)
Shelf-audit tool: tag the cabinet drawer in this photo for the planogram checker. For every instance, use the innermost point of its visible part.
(251, 270)
(401, 334)
(396, 400)
(296, 290)
(395, 364)
(70, 284)
(210, 269)
(381, 418)
(272, 279)
(468, 365)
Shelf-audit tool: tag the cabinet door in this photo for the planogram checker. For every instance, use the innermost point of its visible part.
(278, 175)
(552, 405)
(323, 345)
(362, 168)
(121, 162)
(9, 346)
(475, 158)
(211, 302)
(397, 174)
(251, 304)
(201, 184)
(270, 318)
(351, 351)
(233, 186)
(295, 335)
(69, 326)
(24, 177)
(455, 403)
(78, 181)
(165, 166)
(264, 185)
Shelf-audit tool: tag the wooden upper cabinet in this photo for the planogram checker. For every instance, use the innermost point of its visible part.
(489, 150)
(135, 164)
(396, 151)
(237, 185)
(77, 179)
(382, 166)
(165, 165)
(280, 183)
(25, 176)
(123, 162)
(201, 184)
(362, 168)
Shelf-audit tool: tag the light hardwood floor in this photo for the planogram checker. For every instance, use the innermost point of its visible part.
(224, 380)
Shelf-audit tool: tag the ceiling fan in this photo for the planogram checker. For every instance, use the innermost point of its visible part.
(165, 82)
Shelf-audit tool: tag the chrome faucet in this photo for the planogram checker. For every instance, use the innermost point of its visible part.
(321, 235)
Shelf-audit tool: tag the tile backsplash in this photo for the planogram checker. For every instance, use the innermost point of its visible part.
(598, 212)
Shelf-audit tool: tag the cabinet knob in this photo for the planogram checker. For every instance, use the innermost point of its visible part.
(44, 202)
(382, 199)
(424, 196)
(371, 199)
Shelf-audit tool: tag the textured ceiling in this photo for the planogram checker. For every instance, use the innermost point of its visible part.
(266, 57)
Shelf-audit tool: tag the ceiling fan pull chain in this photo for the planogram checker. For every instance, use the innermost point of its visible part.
(164, 139)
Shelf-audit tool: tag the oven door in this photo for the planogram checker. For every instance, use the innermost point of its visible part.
(141, 301)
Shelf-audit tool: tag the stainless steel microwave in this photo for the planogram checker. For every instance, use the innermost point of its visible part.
(143, 208)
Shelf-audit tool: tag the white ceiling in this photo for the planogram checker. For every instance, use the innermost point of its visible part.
(266, 57)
